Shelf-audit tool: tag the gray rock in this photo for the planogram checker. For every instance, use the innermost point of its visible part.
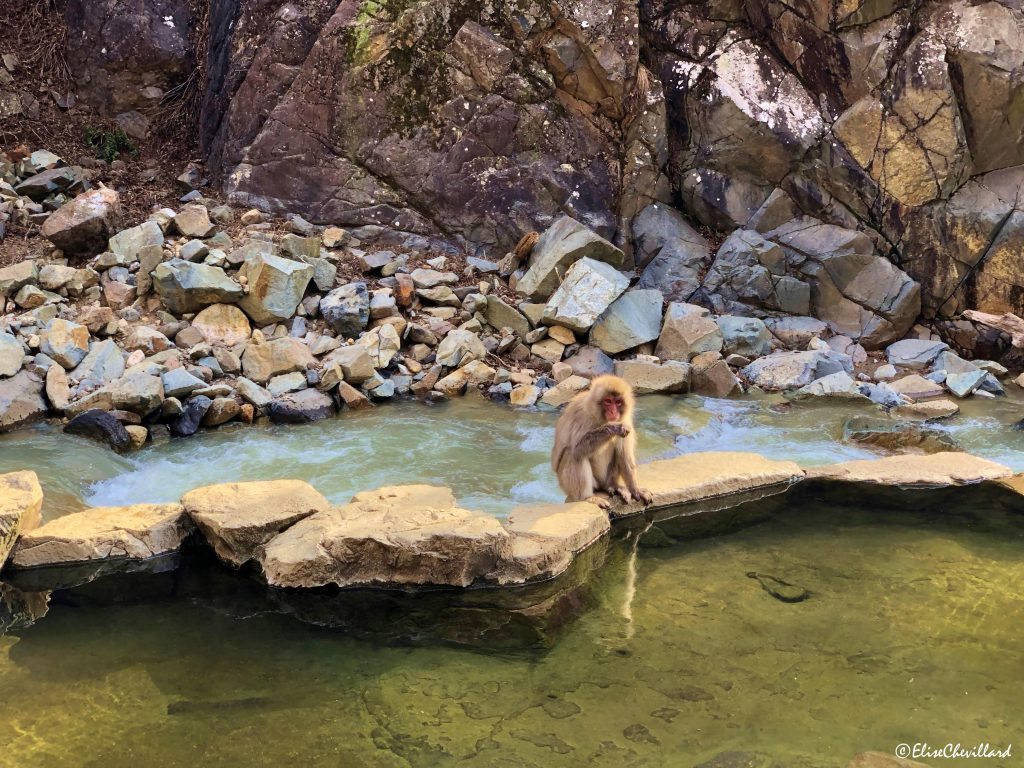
(750, 270)
(950, 362)
(747, 336)
(499, 315)
(276, 286)
(21, 401)
(560, 246)
(458, 348)
(286, 382)
(185, 287)
(83, 226)
(590, 362)
(964, 384)
(792, 370)
(835, 385)
(431, 278)
(588, 290)
(632, 319)
(688, 330)
(103, 364)
(796, 332)
(670, 251)
(140, 393)
(180, 383)
(130, 243)
(303, 407)
(347, 309)
(12, 355)
(252, 392)
(915, 353)
(17, 276)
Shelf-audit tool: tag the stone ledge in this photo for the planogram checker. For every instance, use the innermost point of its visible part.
(708, 475)
(937, 470)
(417, 535)
(105, 533)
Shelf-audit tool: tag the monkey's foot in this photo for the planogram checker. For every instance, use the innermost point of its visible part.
(622, 493)
(644, 495)
(601, 501)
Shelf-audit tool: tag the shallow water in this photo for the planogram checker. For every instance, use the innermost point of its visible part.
(911, 633)
(493, 457)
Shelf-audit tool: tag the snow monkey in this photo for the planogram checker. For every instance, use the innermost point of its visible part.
(595, 444)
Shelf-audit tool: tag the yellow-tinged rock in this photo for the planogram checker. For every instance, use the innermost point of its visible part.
(21, 504)
(236, 518)
(932, 471)
(548, 536)
(136, 533)
(700, 476)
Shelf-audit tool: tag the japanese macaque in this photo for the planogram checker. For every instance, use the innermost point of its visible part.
(595, 444)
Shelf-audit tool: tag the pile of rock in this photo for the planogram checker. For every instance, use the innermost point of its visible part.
(198, 317)
(35, 185)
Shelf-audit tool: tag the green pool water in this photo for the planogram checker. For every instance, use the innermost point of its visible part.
(653, 652)
(674, 657)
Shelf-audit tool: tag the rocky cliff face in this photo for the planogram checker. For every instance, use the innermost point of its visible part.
(481, 120)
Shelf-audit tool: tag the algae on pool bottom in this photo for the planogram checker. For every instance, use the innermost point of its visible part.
(678, 658)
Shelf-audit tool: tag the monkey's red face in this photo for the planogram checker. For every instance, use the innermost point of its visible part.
(613, 406)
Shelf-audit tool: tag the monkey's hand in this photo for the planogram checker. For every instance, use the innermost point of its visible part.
(616, 430)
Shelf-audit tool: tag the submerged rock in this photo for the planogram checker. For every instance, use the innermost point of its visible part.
(897, 436)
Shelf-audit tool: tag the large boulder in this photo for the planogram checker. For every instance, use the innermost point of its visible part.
(347, 309)
(83, 226)
(859, 293)
(261, 361)
(21, 504)
(403, 535)
(561, 245)
(355, 363)
(276, 286)
(21, 401)
(747, 336)
(915, 353)
(588, 290)
(792, 370)
(237, 518)
(186, 287)
(670, 252)
(750, 271)
(105, 533)
(647, 376)
(687, 330)
(631, 320)
(140, 393)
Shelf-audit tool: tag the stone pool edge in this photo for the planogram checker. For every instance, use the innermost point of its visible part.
(417, 535)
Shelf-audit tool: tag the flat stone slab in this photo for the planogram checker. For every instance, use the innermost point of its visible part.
(933, 471)
(21, 503)
(548, 536)
(398, 535)
(706, 475)
(236, 518)
(137, 533)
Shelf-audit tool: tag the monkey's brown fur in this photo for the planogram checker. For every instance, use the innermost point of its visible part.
(591, 452)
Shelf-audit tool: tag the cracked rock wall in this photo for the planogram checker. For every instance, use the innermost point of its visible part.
(482, 119)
